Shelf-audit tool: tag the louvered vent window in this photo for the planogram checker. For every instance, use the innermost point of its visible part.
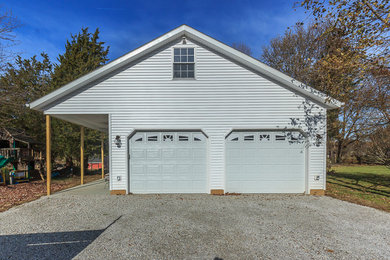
(183, 63)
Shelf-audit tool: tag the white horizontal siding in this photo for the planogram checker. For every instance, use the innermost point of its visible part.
(223, 96)
(216, 156)
(119, 154)
(317, 165)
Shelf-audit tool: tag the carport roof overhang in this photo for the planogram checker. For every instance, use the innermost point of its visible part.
(94, 121)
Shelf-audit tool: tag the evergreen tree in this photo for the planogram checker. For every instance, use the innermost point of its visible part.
(23, 82)
(83, 54)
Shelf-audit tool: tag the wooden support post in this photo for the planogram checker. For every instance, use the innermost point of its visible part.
(48, 155)
(102, 152)
(82, 154)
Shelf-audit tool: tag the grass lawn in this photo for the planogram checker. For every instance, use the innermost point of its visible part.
(365, 185)
(13, 195)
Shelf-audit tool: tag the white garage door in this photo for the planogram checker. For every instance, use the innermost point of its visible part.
(168, 162)
(265, 162)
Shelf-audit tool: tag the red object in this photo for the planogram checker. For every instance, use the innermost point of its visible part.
(94, 166)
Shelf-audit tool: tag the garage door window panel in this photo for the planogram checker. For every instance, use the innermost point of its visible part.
(249, 137)
(233, 137)
(137, 138)
(183, 138)
(265, 137)
(152, 138)
(168, 138)
(296, 138)
(280, 137)
(198, 138)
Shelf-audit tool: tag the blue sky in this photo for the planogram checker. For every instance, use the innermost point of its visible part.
(125, 25)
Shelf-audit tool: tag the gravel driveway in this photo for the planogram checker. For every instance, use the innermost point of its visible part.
(67, 226)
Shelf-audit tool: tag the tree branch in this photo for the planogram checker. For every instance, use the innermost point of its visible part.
(376, 13)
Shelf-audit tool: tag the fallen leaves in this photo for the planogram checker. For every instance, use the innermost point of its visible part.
(13, 195)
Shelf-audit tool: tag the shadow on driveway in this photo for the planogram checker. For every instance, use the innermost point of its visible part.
(56, 245)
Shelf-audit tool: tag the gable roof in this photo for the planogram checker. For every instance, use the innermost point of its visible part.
(185, 30)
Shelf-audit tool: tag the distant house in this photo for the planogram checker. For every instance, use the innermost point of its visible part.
(186, 113)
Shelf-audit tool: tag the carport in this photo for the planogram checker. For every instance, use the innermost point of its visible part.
(98, 122)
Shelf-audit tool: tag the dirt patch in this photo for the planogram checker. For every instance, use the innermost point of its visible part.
(13, 195)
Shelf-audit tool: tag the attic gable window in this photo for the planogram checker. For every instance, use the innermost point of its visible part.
(183, 63)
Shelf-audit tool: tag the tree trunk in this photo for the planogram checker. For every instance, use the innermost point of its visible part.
(339, 150)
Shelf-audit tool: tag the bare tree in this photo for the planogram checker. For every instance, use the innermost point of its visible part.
(378, 83)
(327, 62)
(366, 23)
(379, 147)
(295, 52)
(8, 23)
(242, 47)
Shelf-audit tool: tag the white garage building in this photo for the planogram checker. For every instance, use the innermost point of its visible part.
(186, 113)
